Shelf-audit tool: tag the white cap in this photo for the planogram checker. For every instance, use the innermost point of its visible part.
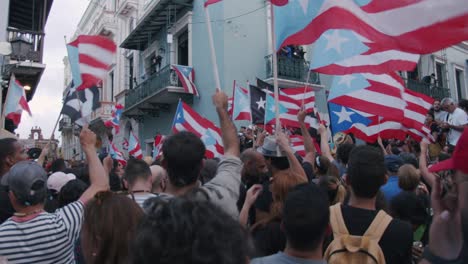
(58, 179)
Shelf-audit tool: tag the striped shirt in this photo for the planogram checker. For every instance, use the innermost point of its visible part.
(140, 198)
(45, 238)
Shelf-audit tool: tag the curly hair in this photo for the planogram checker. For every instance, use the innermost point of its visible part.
(182, 230)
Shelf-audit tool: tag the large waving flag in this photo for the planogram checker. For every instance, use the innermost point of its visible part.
(15, 102)
(375, 94)
(257, 104)
(90, 58)
(387, 25)
(186, 119)
(114, 122)
(241, 104)
(270, 110)
(186, 76)
(134, 148)
(78, 105)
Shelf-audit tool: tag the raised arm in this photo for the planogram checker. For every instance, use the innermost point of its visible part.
(294, 165)
(308, 143)
(324, 142)
(228, 130)
(97, 175)
(379, 140)
(427, 175)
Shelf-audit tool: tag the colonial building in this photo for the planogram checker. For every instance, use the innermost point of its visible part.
(37, 140)
(22, 35)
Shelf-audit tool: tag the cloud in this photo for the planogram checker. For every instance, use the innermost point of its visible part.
(47, 101)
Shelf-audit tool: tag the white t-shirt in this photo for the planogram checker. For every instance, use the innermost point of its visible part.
(457, 118)
(440, 116)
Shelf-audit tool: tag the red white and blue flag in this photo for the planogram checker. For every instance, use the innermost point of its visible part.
(15, 102)
(210, 2)
(186, 76)
(134, 148)
(157, 146)
(385, 25)
(90, 59)
(186, 119)
(117, 155)
(125, 144)
(114, 122)
(241, 103)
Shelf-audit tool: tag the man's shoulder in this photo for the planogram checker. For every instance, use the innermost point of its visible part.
(268, 259)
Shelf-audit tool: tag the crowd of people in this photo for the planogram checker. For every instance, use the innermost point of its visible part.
(389, 202)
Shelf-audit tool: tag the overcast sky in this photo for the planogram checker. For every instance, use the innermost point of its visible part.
(47, 102)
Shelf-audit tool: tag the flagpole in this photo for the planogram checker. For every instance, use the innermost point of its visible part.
(214, 63)
(275, 70)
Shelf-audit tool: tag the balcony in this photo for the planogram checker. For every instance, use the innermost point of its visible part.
(65, 124)
(25, 60)
(125, 7)
(291, 71)
(153, 21)
(155, 94)
(432, 90)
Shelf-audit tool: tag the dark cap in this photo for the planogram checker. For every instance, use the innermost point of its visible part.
(393, 163)
(28, 182)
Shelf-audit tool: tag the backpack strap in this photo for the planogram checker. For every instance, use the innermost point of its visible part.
(336, 221)
(378, 226)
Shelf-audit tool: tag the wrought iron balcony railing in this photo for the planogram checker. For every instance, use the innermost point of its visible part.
(154, 83)
(26, 45)
(294, 69)
(432, 90)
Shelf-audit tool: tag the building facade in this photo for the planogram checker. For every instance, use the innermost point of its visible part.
(37, 140)
(22, 24)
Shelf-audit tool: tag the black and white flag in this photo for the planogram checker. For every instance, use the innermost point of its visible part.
(78, 105)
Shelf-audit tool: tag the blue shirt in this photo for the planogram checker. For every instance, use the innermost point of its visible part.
(391, 189)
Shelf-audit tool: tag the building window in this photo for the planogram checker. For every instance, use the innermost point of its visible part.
(459, 82)
(183, 48)
(414, 75)
(130, 72)
(441, 74)
(111, 84)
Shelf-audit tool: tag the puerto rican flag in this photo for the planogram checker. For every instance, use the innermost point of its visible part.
(387, 25)
(186, 119)
(297, 144)
(241, 104)
(157, 146)
(134, 148)
(15, 101)
(90, 59)
(186, 76)
(117, 155)
(114, 122)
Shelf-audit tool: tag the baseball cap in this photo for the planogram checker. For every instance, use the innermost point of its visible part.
(393, 163)
(27, 180)
(270, 148)
(58, 179)
(459, 158)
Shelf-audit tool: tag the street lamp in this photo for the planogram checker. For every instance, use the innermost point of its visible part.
(27, 87)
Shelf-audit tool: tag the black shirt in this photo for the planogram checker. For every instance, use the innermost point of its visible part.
(6, 209)
(397, 240)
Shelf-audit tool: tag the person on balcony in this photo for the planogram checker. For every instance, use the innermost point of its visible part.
(456, 121)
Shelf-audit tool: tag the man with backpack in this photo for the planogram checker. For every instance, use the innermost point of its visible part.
(362, 234)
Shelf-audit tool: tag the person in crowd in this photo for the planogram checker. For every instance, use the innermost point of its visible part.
(305, 222)
(55, 182)
(286, 173)
(138, 180)
(391, 189)
(116, 176)
(344, 145)
(58, 165)
(11, 152)
(183, 230)
(208, 171)
(254, 171)
(32, 235)
(456, 121)
(109, 226)
(159, 179)
(463, 104)
(71, 192)
(440, 115)
(183, 170)
(334, 188)
(409, 180)
(366, 174)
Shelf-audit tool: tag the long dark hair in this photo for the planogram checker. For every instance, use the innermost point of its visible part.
(110, 222)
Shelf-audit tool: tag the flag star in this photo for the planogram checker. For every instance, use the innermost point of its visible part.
(344, 115)
(347, 79)
(261, 103)
(179, 116)
(305, 5)
(334, 41)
